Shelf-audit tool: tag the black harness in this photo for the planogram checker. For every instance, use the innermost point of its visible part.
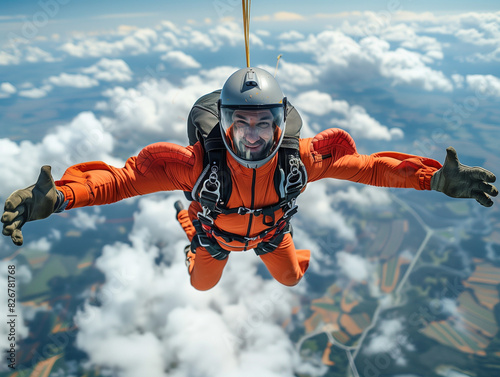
(213, 189)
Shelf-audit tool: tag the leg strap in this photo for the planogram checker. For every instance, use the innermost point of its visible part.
(271, 245)
(201, 239)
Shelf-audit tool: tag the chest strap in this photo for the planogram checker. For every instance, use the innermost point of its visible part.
(213, 189)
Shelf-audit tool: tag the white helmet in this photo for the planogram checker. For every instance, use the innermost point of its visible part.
(252, 111)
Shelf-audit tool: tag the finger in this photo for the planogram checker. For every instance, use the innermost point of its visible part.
(494, 191)
(482, 198)
(12, 202)
(451, 157)
(16, 198)
(481, 174)
(45, 180)
(9, 229)
(8, 217)
(484, 187)
(17, 237)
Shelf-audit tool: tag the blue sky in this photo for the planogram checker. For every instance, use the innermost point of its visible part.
(98, 80)
(72, 15)
(199, 8)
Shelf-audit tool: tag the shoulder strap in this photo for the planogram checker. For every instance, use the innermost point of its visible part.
(214, 185)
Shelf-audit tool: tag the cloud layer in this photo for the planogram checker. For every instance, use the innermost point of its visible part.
(367, 73)
(152, 321)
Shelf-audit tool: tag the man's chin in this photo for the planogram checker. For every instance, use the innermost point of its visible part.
(252, 154)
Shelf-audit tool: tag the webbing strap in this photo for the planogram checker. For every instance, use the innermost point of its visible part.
(271, 245)
(202, 239)
(213, 141)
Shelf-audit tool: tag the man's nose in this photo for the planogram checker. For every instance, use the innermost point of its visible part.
(251, 134)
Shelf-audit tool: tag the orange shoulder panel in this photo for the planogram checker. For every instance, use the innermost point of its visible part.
(164, 152)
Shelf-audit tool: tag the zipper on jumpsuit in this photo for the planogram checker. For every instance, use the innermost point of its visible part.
(251, 207)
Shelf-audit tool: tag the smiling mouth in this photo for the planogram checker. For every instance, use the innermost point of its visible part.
(253, 147)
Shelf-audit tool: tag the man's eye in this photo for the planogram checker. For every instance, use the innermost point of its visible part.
(263, 124)
(240, 124)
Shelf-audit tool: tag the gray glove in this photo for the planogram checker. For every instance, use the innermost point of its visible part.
(462, 181)
(32, 203)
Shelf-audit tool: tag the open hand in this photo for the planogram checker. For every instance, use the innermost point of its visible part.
(32, 203)
(461, 181)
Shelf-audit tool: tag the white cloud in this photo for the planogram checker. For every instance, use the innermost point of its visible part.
(136, 42)
(17, 53)
(280, 16)
(341, 56)
(484, 85)
(403, 66)
(43, 244)
(84, 139)
(316, 210)
(291, 35)
(158, 322)
(321, 263)
(287, 16)
(364, 197)
(157, 107)
(36, 54)
(354, 266)
(263, 33)
(10, 58)
(361, 125)
(389, 339)
(85, 220)
(180, 59)
(7, 89)
(110, 70)
(478, 31)
(293, 76)
(36, 92)
(104, 70)
(227, 33)
(197, 39)
(319, 103)
(356, 120)
(75, 81)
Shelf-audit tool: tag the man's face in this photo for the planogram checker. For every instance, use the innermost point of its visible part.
(253, 133)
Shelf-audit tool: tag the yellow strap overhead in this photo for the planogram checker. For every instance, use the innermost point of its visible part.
(246, 27)
(277, 63)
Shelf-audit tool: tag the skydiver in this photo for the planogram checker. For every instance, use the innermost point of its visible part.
(260, 189)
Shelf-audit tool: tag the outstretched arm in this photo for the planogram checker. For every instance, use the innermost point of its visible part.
(333, 154)
(158, 167)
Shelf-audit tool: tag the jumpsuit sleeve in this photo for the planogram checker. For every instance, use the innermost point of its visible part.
(332, 154)
(158, 167)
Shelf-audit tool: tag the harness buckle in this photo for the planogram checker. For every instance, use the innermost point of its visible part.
(210, 192)
(205, 217)
(244, 211)
(292, 210)
(294, 179)
(203, 244)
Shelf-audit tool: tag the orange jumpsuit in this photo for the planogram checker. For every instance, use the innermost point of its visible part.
(165, 167)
